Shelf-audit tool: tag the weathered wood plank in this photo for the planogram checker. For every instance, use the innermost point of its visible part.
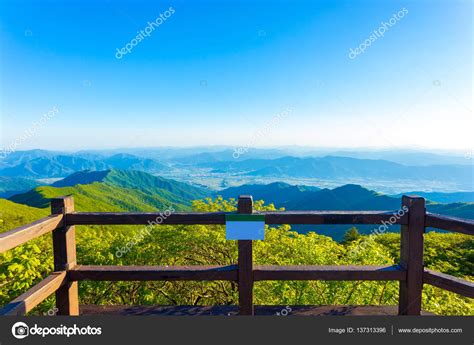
(333, 217)
(265, 272)
(411, 256)
(34, 296)
(448, 282)
(245, 262)
(462, 225)
(23, 234)
(142, 273)
(332, 272)
(288, 217)
(129, 218)
(64, 250)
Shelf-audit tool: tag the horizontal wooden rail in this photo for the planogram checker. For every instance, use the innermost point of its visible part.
(464, 226)
(297, 272)
(290, 217)
(133, 218)
(333, 217)
(448, 282)
(18, 236)
(34, 296)
(141, 273)
(329, 273)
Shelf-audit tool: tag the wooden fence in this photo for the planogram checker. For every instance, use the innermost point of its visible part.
(410, 273)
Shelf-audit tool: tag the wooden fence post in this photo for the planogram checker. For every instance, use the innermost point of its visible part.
(411, 256)
(245, 262)
(64, 248)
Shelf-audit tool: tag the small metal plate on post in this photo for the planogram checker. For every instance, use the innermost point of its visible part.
(245, 226)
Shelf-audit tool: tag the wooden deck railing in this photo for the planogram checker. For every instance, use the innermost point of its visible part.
(410, 273)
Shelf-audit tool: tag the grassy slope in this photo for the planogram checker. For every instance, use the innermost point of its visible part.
(13, 215)
(173, 190)
(99, 197)
(117, 190)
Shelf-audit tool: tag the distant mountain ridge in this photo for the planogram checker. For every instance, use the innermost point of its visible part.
(116, 190)
(443, 197)
(82, 177)
(39, 165)
(278, 192)
(340, 168)
(207, 166)
(348, 197)
(13, 185)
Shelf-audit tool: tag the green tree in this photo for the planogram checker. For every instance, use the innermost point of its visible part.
(351, 235)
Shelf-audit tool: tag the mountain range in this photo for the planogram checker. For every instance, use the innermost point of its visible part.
(332, 167)
(135, 190)
(443, 197)
(262, 162)
(13, 185)
(128, 190)
(116, 190)
(127, 180)
(44, 164)
(345, 198)
(202, 154)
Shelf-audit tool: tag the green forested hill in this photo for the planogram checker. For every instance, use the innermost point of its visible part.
(13, 215)
(349, 197)
(13, 185)
(98, 197)
(457, 209)
(279, 193)
(116, 190)
(155, 184)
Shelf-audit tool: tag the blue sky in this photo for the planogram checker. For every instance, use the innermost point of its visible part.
(222, 73)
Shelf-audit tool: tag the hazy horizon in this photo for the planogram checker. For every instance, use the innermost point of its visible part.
(240, 74)
(222, 147)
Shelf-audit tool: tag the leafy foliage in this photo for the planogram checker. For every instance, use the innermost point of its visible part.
(206, 245)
